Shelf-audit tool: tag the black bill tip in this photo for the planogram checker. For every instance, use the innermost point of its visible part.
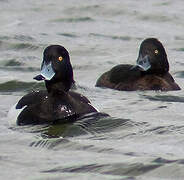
(39, 77)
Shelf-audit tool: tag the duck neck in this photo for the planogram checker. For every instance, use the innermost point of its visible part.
(59, 86)
(155, 72)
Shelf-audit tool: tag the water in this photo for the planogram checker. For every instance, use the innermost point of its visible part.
(143, 138)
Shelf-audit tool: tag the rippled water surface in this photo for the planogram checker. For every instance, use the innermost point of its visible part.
(144, 137)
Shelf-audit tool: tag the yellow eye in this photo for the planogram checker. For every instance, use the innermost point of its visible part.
(156, 51)
(60, 58)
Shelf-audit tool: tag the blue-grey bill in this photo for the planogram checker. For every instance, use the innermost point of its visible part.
(47, 71)
(143, 63)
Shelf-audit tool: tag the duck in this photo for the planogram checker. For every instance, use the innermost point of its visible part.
(151, 71)
(58, 103)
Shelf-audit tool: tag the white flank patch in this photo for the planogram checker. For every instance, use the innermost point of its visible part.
(13, 114)
(94, 107)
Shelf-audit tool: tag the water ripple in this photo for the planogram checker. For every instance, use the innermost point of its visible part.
(17, 86)
(73, 19)
(10, 67)
(13, 62)
(68, 35)
(124, 38)
(180, 74)
(157, 18)
(119, 169)
(163, 130)
(17, 46)
(163, 161)
(165, 98)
